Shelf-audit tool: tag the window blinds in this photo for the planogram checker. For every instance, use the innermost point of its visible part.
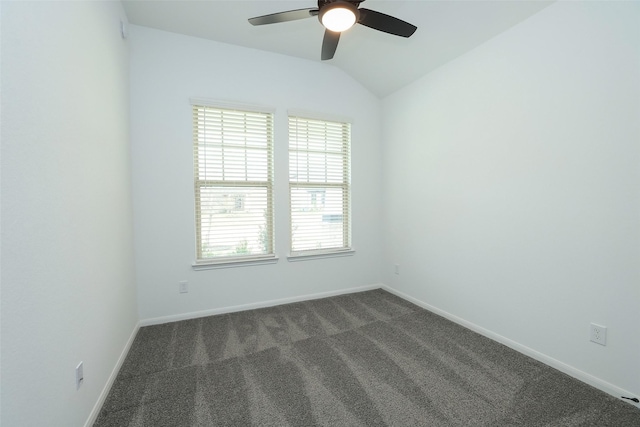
(319, 185)
(233, 183)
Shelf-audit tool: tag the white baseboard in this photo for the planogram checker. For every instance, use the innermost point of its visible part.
(93, 416)
(550, 361)
(262, 304)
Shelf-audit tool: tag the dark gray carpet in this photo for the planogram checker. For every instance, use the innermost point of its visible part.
(364, 359)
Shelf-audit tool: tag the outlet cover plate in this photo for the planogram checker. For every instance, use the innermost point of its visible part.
(183, 287)
(79, 375)
(599, 334)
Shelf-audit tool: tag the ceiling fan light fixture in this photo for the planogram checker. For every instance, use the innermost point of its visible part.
(338, 16)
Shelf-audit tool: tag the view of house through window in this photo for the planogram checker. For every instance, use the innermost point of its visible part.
(233, 183)
(319, 185)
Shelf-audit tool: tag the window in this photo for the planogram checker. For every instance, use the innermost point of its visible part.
(319, 186)
(233, 182)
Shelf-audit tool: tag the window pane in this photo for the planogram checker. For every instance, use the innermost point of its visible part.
(317, 216)
(233, 221)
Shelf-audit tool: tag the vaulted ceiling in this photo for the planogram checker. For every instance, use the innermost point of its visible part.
(381, 62)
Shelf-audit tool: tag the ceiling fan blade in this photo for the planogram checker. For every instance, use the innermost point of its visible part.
(329, 44)
(289, 15)
(385, 23)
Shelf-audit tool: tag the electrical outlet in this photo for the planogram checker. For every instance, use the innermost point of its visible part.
(599, 334)
(183, 287)
(396, 269)
(79, 375)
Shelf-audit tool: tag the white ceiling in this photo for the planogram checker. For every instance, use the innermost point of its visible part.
(380, 62)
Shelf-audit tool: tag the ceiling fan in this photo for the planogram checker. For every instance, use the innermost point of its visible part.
(338, 16)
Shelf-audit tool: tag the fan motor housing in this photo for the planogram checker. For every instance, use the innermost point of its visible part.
(323, 3)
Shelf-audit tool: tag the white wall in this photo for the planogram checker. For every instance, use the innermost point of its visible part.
(166, 70)
(68, 292)
(512, 187)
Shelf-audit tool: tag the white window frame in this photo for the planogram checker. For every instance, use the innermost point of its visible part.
(236, 111)
(296, 135)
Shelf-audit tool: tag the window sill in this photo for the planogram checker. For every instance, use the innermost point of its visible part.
(230, 263)
(320, 255)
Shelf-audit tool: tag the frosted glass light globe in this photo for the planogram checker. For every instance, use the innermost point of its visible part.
(338, 18)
